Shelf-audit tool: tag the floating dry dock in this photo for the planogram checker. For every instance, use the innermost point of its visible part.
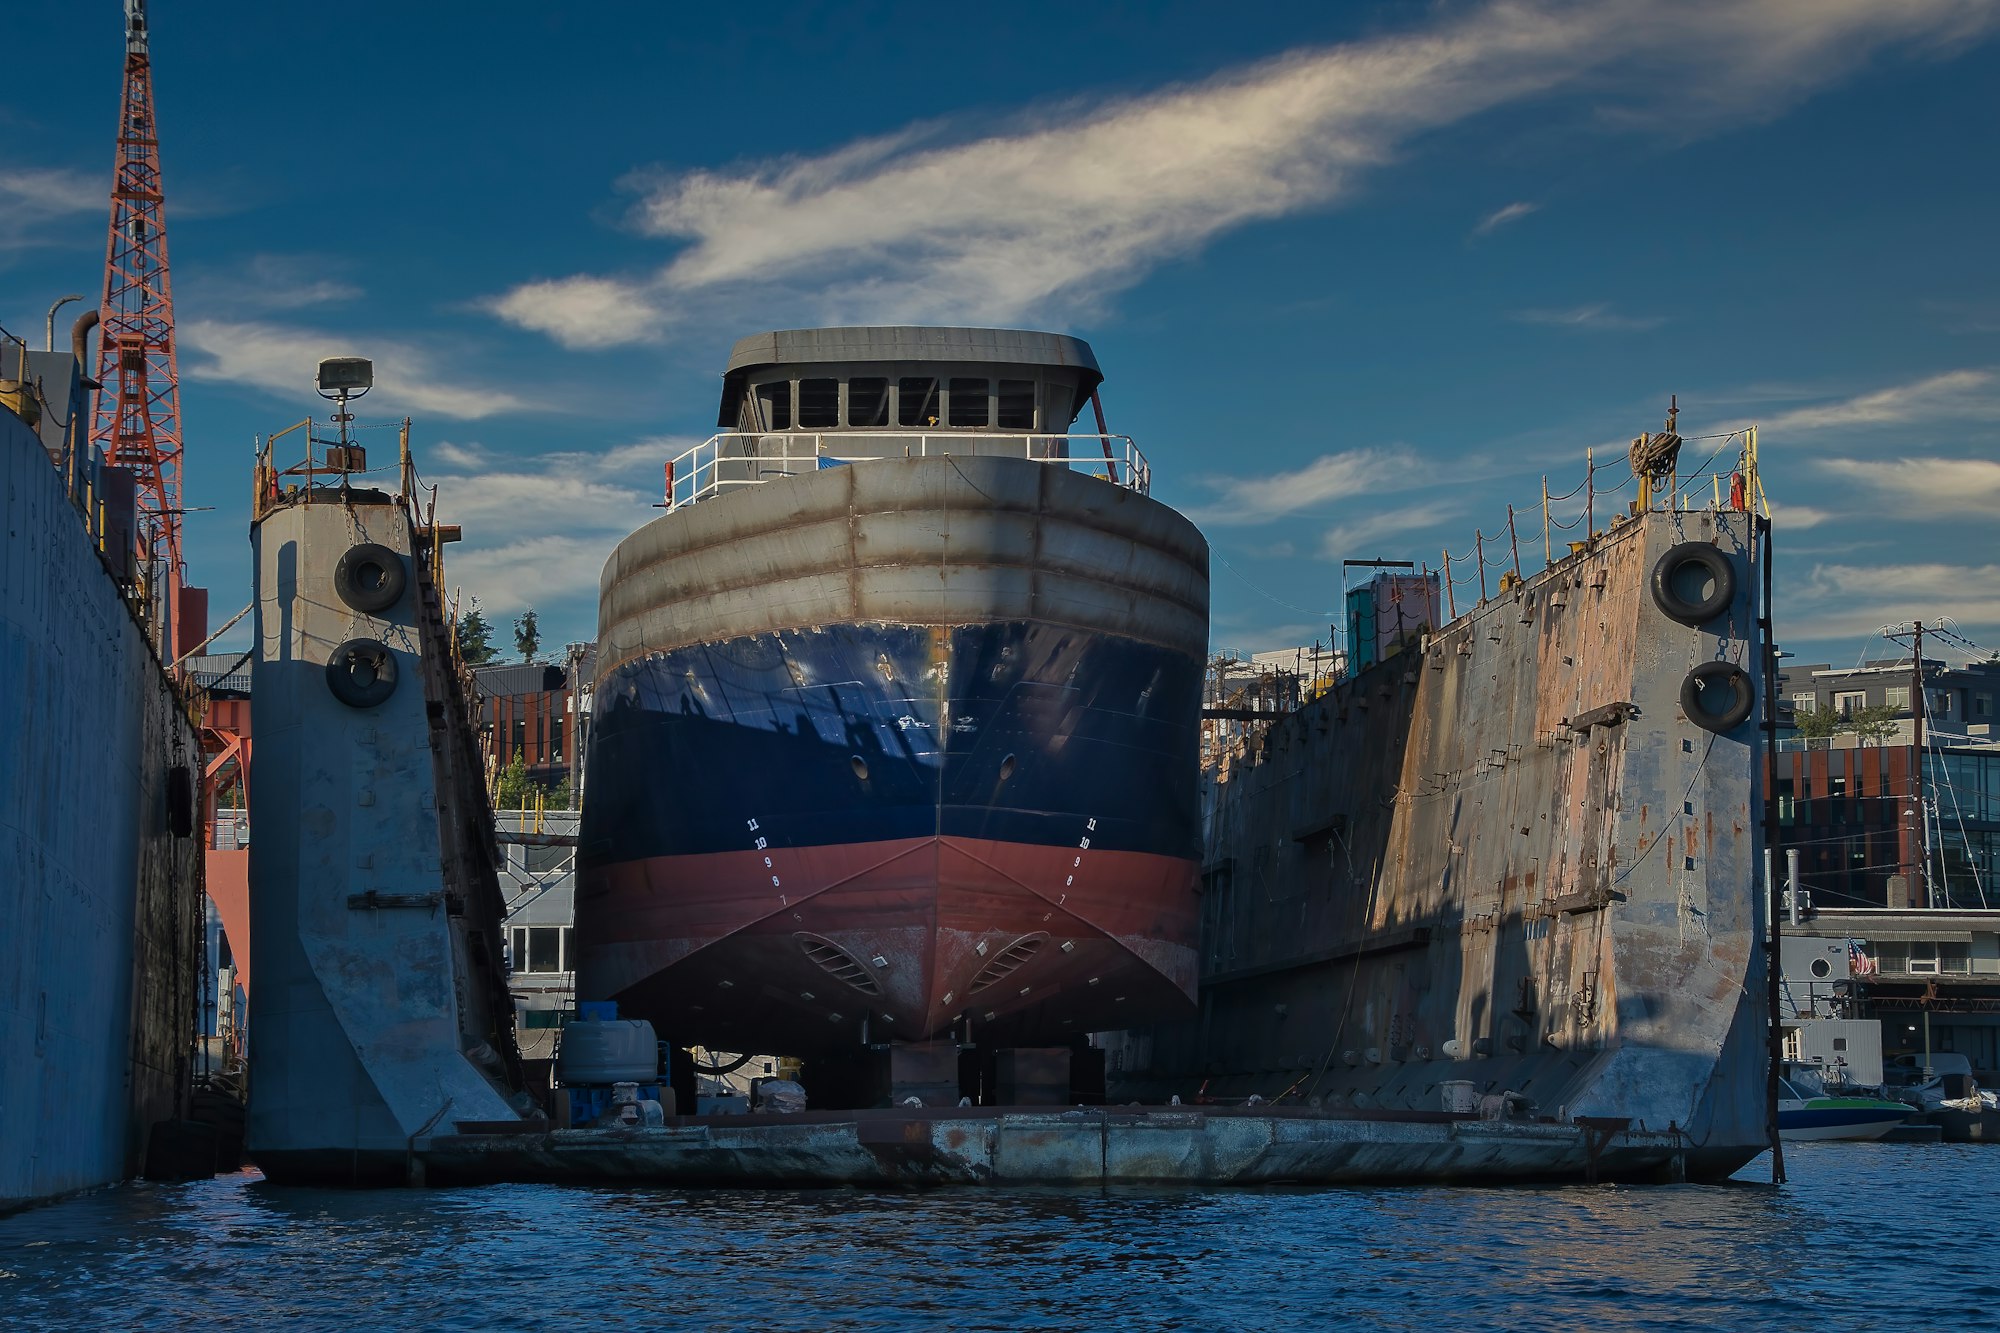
(1084, 1146)
(1523, 994)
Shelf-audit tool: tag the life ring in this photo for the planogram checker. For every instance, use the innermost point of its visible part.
(362, 673)
(370, 577)
(1712, 676)
(1673, 567)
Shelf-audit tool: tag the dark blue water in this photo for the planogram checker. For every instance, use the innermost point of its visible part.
(1865, 1236)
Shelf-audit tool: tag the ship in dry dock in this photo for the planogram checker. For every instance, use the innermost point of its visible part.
(896, 711)
(1507, 867)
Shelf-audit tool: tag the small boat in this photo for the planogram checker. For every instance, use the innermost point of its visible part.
(1806, 1113)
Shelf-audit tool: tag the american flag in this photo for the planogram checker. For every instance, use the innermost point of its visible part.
(1859, 963)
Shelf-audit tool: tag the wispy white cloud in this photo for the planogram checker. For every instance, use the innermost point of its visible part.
(282, 360)
(1358, 538)
(50, 191)
(1842, 601)
(1923, 487)
(1500, 217)
(1328, 478)
(1053, 213)
(32, 196)
(556, 573)
(583, 312)
(1954, 395)
(1599, 317)
(538, 529)
(1798, 518)
(263, 283)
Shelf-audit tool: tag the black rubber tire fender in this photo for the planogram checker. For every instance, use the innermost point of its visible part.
(1722, 578)
(370, 577)
(362, 673)
(1711, 675)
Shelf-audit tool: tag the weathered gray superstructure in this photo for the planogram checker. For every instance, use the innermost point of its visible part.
(100, 871)
(381, 1009)
(1510, 869)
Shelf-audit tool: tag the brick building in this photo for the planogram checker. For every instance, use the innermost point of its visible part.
(538, 710)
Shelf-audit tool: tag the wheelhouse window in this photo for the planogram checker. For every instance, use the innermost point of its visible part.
(916, 402)
(774, 405)
(1016, 405)
(819, 403)
(968, 403)
(868, 401)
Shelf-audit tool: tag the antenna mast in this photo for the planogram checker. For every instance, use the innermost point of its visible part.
(138, 417)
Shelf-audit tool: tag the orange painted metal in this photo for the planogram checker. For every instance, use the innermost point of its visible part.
(138, 416)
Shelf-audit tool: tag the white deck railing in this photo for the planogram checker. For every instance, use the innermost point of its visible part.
(751, 458)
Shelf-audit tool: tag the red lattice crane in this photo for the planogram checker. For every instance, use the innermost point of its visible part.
(138, 418)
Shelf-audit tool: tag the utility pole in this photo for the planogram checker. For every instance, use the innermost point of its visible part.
(1921, 702)
(138, 417)
(1916, 843)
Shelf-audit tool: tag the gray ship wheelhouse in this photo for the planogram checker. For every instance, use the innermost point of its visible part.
(800, 400)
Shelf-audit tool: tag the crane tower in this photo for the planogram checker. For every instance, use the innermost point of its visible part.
(138, 417)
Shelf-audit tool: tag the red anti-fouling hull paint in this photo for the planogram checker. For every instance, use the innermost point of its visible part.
(796, 948)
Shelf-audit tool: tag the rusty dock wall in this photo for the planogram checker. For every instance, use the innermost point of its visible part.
(1506, 862)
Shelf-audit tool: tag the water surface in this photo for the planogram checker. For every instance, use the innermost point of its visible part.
(1864, 1236)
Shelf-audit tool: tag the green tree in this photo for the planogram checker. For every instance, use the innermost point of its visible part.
(561, 797)
(527, 635)
(514, 783)
(1817, 724)
(1874, 722)
(475, 636)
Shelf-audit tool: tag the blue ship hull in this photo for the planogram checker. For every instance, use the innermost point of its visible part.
(896, 805)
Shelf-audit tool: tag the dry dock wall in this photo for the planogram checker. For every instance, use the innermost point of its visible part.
(1506, 860)
(371, 1025)
(100, 902)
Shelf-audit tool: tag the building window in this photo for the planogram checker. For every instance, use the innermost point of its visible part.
(819, 403)
(569, 948)
(541, 1020)
(1846, 701)
(774, 404)
(545, 948)
(916, 402)
(517, 958)
(542, 860)
(1017, 405)
(868, 401)
(968, 403)
(1940, 703)
(1897, 696)
(1805, 702)
(1982, 705)
(1955, 958)
(1923, 956)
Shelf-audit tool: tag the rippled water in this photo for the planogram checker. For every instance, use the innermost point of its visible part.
(1865, 1235)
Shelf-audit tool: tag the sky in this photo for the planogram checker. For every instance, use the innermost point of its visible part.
(1359, 276)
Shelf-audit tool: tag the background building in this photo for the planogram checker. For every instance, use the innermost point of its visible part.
(1962, 708)
(538, 711)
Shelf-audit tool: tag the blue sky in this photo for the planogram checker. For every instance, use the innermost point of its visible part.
(1359, 276)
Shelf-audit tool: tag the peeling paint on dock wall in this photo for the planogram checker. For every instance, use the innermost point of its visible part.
(1508, 858)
